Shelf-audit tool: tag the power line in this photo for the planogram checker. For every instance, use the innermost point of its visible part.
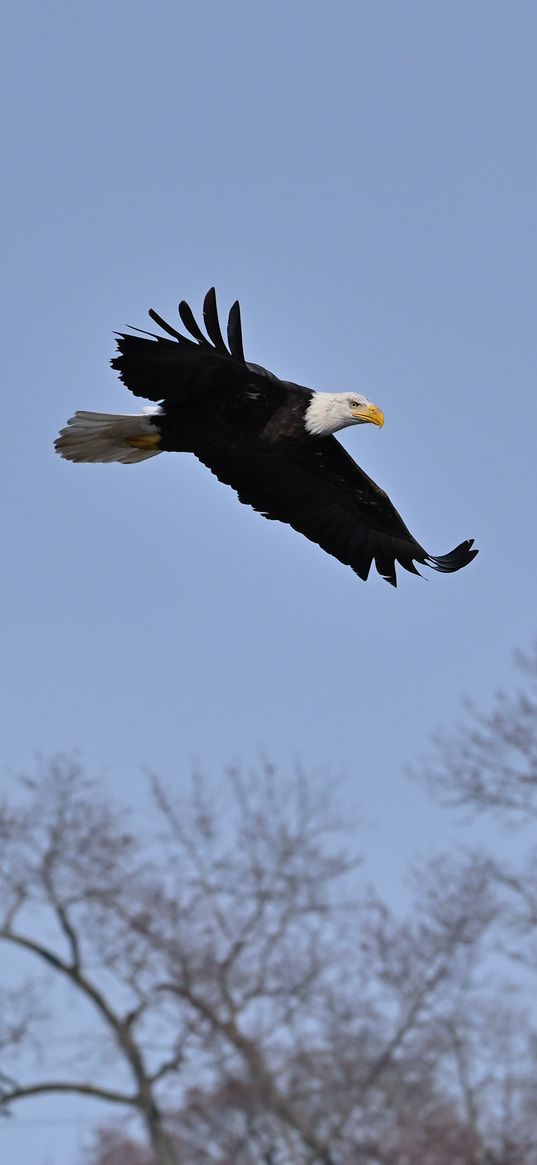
(47, 1122)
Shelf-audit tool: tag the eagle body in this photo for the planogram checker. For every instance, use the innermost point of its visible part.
(271, 440)
(247, 417)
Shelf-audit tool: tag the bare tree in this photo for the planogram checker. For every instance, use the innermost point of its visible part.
(237, 991)
(111, 1147)
(155, 934)
(67, 865)
(488, 1118)
(488, 764)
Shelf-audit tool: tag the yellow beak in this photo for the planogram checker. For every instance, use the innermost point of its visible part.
(370, 413)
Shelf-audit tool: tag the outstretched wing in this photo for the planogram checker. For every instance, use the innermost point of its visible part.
(319, 490)
(176, 368)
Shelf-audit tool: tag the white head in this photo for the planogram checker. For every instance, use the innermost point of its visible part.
(329, 411)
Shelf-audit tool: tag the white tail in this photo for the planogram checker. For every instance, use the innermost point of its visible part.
(107, 437)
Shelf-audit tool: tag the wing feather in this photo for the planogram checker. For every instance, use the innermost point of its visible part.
(176, 369)
(166, 327)
(187, 316)
(210, 316)
(322, 493)
(234, 332)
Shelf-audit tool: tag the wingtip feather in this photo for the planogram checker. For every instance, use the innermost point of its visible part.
(234, 332)
(210, 316)
(460, 556)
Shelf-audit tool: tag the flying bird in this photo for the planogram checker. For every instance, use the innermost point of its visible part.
(269, 439)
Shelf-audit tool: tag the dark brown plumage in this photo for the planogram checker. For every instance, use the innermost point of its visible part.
(271, 440)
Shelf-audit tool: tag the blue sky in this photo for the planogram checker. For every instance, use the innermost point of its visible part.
(362, 176)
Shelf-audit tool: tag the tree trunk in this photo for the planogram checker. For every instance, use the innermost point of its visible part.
(161, 1143)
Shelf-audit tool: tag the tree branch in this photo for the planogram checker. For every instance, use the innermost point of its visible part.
(120, 1029)
(254, 1059)
(25, 1090)
(171, 1065)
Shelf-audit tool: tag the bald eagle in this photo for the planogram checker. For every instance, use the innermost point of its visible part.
(269, 439)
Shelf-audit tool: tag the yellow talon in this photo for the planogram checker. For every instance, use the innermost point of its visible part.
(151, 441)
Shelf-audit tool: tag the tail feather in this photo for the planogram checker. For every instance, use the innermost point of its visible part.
(106, 437)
